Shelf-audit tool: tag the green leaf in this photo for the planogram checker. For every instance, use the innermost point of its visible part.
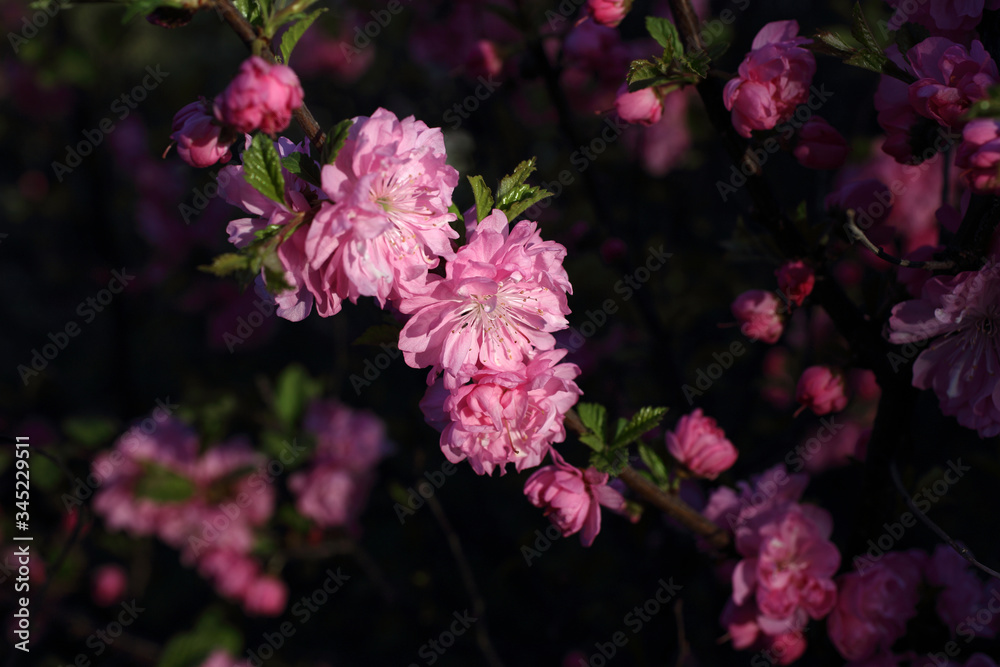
(262, 169)
(644, 420)
(292, 391)
(655, 464)
(595, 442)
(190, 649)
(303, 166)
(831, 43)
(458, 214)
(509, 183)
(335, 140)
(862, 31)
(163, 485)
(228, 263)
(91, 431)
(870, 60)
(379, 334)
(514, 195)
(483, 196)
(142, 8)
(594, 417)
(666, 35)
(295, 32)
(641, 70)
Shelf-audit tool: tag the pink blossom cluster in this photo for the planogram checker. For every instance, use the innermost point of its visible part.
(956, 321)
(261, 97)
(334, 488)
(788, 562)
(376, 226)
(954, 19)
(215, 534)
(772, 80)
(487, 327)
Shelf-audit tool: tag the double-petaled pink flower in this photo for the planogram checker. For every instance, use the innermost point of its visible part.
(773, 79)
(757, 312)
(821, 389)
(501, 299)
(950, 79)
(874, 605)
(262, 97)
(201, 139)
(978, 155)
(820, 146)
(960, 318)
(701, 446)
(505, 417)
(572, 498)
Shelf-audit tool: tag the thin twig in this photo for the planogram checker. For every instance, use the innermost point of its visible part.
(469, 581)
(858, 235)
(962, 550)
(246, 32)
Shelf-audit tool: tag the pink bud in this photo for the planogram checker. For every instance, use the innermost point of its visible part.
(608, 12)
(262, 96)
(201, 140)
(266, 597)
(822, 390)
(757, 313)
(108, 585)
(979, 155)
(643, 106)
(483, 60)
(820, 146)
(701, 446)
(796, 280)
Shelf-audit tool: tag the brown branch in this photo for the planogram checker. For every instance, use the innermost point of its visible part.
(256, 43)
(858, 235)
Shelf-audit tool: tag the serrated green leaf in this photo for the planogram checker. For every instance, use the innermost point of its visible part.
(227, 263)
(303, 166)
(641, 70)
(295, 32)
(163, 485)
(666, 35)
(379, 334)
(644, 420)
(832, 41)
(511, 182)
(655, 464)
(867, 59)
(862, 31)
(482, 195)
(262, 169)
(594, 416)
(335, 140)
(244, 7)
(595, 442)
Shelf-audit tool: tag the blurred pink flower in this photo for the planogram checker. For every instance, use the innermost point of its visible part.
(266, 596)
(608, 12)
(822, 390)
(701, 446)
(796, 280)
(757, 313)
(108, 584)
(820, 146)
(979, 155)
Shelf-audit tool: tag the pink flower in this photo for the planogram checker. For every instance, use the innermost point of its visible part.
(949, 18)
(329, 495)
(874, 605)
(108, 584)
(220, 658)
(230, 572)
(701, 446)
(822, 390)
(765, 495)
(390, 220)
(261, 97)
(773, 79)
(979, 155)
(608, 12)
(665, 144)
(757, 313)
(958, 315)
(962, 593)
(820, 146)
(201, 139)
(483, 60)
(352, 439)
(643, 106)
(266, 596)
(950, 79)
(506, 416)
(502, 297)
(572, 497)
(796, 280)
